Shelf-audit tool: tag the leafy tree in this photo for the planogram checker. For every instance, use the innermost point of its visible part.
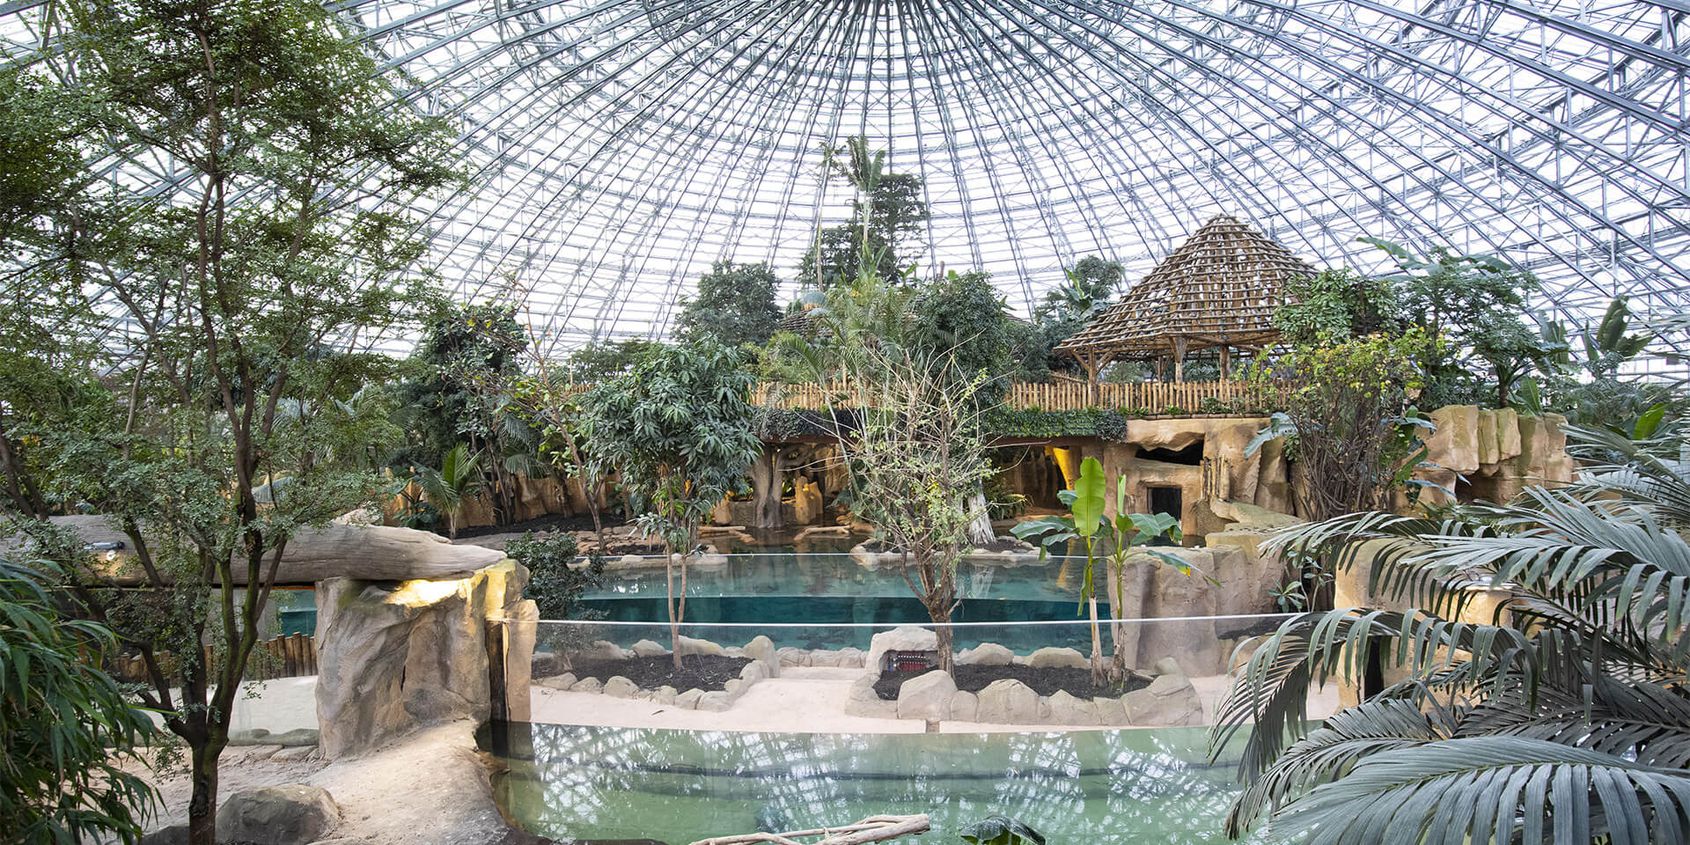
(601, 361)
(888, 213)
(554, 582)
(461, 395)
(907, 419)
(1349, 419)
(734, 305)
(457, 479)
(66, 728)
(1334, 306)
(1123, 535)
(276, 122)
(676, 431)
(1473, 304)
(961, 317)
(1559, 717)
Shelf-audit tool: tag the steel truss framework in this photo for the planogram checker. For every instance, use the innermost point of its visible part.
(618, 147)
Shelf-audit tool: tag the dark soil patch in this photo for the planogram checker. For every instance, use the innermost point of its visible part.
(706, 672)
(1044, 681)
(1005, 544)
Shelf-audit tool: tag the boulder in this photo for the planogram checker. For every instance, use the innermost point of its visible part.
(1110, 711)
(716, 702)
(647, 648)
(588, 685)
(558, 682)
(753, 672)
(965, 706)
(862, 700)
(903, 638)
(824, 657)
(664, 695)
(1167, 666)
(806, 501)
(850, 657)
(289, 814)
(392, 658)
(790, 656)
(359, 552)
(1051, 657)
(689, 700)
(1065, 709)
(688, 645)
(733, 687)
(762, 649)
(596, 652)
(926, 696)
(986, 654)
(1169, 701)
(620, 687)
(1008, 702)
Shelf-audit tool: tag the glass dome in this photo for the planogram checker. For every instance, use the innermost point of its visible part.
(619, 147)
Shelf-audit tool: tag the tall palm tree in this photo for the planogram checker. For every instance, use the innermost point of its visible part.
(1562, 717)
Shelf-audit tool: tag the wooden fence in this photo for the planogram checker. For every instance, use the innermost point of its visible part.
(1149, 398)
(283, 657)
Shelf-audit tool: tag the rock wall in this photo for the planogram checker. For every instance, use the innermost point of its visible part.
(1492, 455)
(397, 656)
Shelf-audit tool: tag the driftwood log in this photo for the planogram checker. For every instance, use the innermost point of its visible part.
(871, 829)
(363, 552)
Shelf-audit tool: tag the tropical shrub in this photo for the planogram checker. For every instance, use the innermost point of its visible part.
(1561, 717)
(675, 430)
(733, 305)
(1120, 536)
(66, 728)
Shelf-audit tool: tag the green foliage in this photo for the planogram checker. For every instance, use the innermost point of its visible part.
(1590, 389)
(1001, 830)
(555, 583)
(466, 356)
(1122, 535)
(1566, 711)
(604, 360)
(66, 729)
(1037, 422)
(1349, 415)
(1092, 283)
(962, 316)
(1335, 306)
(734, 305)
(676, 430)
(888, 213)
(218, 427)
(458, 478)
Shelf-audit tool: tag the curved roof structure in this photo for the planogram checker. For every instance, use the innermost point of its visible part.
(619, 147)
(1219, 289)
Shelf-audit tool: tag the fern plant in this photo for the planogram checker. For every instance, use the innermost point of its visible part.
(1560, 717)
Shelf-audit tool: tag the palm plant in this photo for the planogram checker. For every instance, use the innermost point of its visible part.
(457, 479)
(1123, 536)
(1562, 717)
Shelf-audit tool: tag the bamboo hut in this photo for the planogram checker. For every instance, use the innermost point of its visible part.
(1217, 291)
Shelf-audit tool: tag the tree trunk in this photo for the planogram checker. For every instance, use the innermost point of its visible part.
(766, 488)
(202, 804)
(940, 613)
(1098, 675)
(674, 616)
(980, 520)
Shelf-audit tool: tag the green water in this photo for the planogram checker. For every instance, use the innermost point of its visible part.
(786, 573)
(588, 784)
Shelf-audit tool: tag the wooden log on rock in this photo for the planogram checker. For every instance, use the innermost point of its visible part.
(360, 552)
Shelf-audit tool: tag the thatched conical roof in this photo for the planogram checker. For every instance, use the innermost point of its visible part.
(1220, 288)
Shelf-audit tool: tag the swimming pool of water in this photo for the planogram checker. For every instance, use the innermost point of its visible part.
(833, 588)
(593, 784)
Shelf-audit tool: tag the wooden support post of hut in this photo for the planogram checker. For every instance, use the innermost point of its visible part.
(1217, 291)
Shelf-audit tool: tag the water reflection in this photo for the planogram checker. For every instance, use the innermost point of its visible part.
(594, 783)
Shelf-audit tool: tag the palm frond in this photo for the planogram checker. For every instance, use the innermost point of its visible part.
(1494, 789)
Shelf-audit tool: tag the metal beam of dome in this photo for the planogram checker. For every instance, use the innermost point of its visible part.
(617, 148)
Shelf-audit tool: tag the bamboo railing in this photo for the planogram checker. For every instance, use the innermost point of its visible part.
(1149, 398)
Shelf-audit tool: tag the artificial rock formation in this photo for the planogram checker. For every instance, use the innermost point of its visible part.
(1479, 453)
(289, 814)
(394, 657)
